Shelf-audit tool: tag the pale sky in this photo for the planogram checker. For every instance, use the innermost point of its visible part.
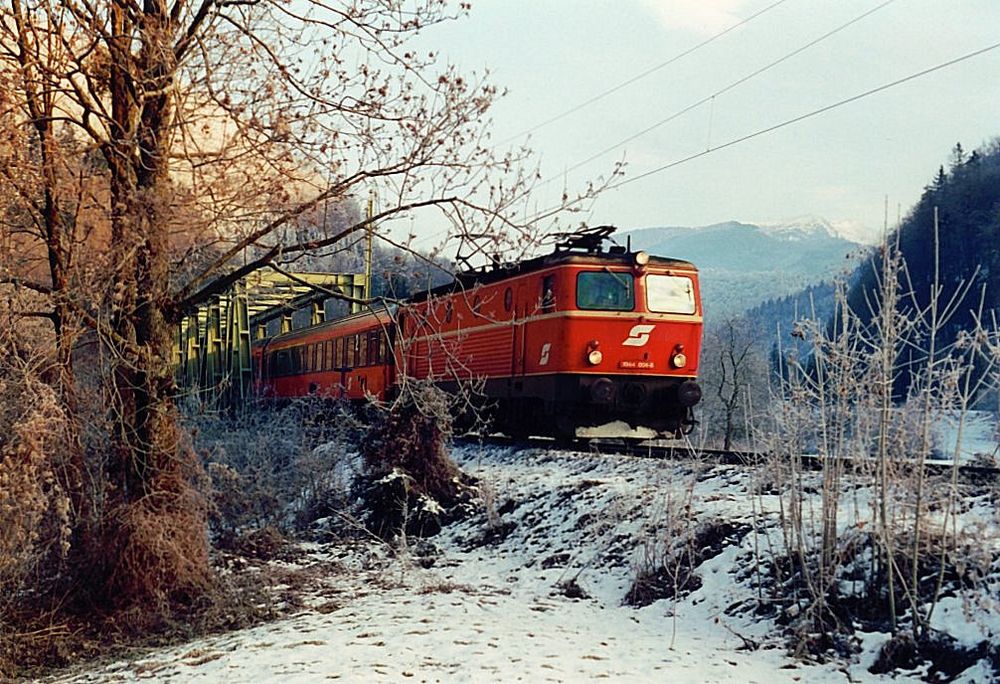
(841, 165)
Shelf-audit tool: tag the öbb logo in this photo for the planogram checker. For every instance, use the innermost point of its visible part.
(638, 336)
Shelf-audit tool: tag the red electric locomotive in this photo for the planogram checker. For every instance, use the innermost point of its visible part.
(578, 338)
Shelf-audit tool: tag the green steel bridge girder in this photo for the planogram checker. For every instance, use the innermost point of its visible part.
(212, 343)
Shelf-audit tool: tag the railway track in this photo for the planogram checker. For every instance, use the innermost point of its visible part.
(645, 448)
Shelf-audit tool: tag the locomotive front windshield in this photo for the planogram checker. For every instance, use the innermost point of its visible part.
(670, 294)
(605, 291)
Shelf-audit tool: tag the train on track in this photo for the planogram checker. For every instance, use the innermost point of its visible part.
(578, 338)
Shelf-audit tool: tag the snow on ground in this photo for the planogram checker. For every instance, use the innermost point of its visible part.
(974, 437)
(532, 591)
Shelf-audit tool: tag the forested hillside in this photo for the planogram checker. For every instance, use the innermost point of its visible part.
(966, 199)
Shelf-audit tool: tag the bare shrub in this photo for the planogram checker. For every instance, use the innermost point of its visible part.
(868, 538)
(411, 484)
(162, 553)
(275, 468)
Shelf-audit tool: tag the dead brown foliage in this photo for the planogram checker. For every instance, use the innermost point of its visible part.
(413, 436)
(412, 485)
(36, 516)
(160, 545)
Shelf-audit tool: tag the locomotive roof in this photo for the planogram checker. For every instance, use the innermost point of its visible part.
(499, 272)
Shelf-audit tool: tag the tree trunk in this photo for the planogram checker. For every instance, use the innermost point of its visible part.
(158, 531)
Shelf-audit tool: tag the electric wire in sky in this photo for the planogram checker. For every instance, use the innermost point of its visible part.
(737, 82)
(769, 129)
(644, 74)
(796, 119)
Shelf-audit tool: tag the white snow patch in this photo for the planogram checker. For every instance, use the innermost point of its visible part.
(496, 604)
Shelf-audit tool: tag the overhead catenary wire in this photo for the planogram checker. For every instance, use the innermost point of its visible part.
(638, 77)
(808, 115)
(770, 129)
(763, 131)
(731, 86)
(710, 98)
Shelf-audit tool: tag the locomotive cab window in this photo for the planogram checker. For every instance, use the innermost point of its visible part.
(670, 294)
(605, 291)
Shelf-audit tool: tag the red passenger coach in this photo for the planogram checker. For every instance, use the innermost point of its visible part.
(348, 358)
(577, 338)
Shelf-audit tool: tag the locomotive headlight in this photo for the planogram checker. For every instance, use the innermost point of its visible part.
(594, 355)
(678, 359)
(641, 258)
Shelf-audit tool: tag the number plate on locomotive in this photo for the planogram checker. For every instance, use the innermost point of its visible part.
(638, 365)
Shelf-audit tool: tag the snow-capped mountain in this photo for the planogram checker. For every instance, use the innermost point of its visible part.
(744, 264)
(812, 227)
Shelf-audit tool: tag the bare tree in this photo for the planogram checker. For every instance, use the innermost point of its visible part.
(162, 134)
(735, 372)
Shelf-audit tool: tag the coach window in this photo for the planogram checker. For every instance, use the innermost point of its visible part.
(362, 347)
(605, 291)
(670, 294)
(508, 299)
(338, 353)
(352, 351)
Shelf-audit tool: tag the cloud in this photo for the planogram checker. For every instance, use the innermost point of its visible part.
(705, 17)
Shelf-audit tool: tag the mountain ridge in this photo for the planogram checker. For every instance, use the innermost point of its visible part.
(745, 264)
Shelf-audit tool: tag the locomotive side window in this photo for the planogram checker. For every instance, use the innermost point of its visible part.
(605, 291)
(670, 294)
(548, 293)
